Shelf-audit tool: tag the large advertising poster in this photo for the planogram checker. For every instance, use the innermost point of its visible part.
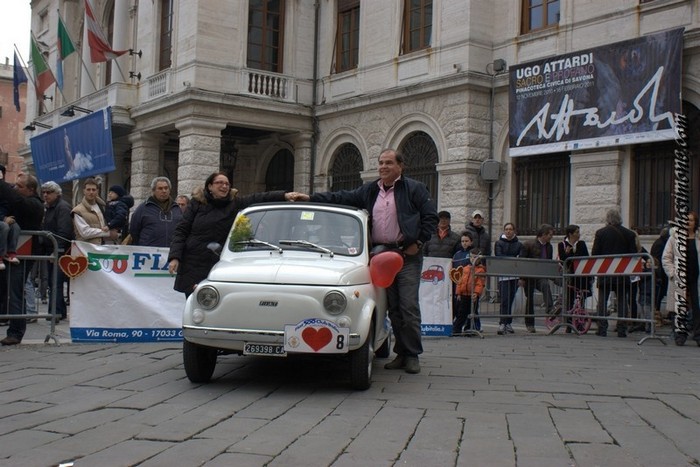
(622, 93)
(77, 149)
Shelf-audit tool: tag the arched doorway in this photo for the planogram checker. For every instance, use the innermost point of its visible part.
(346, 168)
(421, 156)
(280, 172)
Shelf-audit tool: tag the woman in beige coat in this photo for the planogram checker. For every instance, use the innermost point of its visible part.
(689, 322)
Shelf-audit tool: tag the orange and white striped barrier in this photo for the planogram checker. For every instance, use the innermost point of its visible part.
(609, 266)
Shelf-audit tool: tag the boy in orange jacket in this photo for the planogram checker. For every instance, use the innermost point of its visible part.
(469, 289)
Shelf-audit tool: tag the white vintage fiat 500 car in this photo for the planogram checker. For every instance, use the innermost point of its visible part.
(293, 278)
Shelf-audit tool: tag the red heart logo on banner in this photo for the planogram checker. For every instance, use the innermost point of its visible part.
(73, 266)
(456, 274)
(316, 338)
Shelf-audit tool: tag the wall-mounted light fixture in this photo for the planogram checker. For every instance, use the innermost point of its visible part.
(32, 126)
(132, 52)
(47, 98)
(133, 74)
(70, 111)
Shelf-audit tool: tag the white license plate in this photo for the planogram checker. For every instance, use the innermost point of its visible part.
(316, 336)
(253, 348)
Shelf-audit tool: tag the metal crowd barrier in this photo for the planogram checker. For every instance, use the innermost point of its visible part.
(20, 272)
(608, 268)
(504, 266)
(559, 275)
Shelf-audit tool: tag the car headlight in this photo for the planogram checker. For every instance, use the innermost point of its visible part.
(335, 302)
(207, 297)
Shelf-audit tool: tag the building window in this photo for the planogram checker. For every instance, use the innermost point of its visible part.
(542, 185)
(346, 168)
(347, 50)
(265, 34)
(166, 34)
(280, 172)
(653, 178)
(420, 157)
(539, 14)
(417, 24)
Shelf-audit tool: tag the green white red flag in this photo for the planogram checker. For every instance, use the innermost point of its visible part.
(43, 78)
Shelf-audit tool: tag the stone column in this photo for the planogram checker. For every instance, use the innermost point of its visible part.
(200, 152)
(120, 41)
(596, 187)
(302, 161)
(145, 163)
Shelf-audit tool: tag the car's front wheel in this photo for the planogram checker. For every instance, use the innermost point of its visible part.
(361, 363)
(199, 360)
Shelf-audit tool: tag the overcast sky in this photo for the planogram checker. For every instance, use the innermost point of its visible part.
(16, 21)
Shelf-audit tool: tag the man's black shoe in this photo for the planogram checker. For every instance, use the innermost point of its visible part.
(680, 339)
(621, 334)
(396, 364)
(10, 340)
(412, 365)
(601, 333)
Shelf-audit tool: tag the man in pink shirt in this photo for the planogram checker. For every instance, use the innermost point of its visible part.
(403, 217)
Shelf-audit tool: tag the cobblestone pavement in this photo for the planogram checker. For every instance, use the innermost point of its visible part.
(521, 400)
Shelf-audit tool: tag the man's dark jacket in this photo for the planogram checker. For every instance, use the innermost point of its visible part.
(614, 239)
(416, 211)
(58, 221)
(28, 210)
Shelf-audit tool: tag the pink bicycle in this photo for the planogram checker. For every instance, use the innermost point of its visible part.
(580, 319)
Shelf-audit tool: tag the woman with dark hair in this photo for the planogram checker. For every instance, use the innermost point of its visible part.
(208, 219)
(507, 245)
(692, 274)
(571, 246)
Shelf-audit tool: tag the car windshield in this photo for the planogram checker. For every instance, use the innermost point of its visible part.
(304, 229)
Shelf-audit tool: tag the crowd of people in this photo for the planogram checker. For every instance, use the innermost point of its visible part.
(629, 296)
(403, 216)
(26, 206)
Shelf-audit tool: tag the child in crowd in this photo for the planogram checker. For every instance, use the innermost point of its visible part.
(460, 258)
(469, 289)
(117, 210)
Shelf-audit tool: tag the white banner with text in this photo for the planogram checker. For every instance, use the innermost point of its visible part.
(122, 293)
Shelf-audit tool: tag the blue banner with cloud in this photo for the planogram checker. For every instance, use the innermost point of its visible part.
(78, 149)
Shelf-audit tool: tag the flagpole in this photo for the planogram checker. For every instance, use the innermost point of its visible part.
(119, 68)
(80, 55)
(24, 64)
(29, 75)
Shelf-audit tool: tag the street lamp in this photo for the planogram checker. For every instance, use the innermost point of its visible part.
(491, 169)
(70, 111)
(32, 126)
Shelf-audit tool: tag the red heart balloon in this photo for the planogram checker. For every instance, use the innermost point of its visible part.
(383, 268)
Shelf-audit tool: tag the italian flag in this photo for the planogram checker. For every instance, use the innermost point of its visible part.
(43, 78)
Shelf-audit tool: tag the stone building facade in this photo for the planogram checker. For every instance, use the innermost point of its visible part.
(304, 94)
(11, 122)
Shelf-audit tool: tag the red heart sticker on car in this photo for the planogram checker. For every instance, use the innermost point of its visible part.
(317, 338)
(73, 266)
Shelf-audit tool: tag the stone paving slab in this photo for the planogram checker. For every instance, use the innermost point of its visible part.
(520, 400)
